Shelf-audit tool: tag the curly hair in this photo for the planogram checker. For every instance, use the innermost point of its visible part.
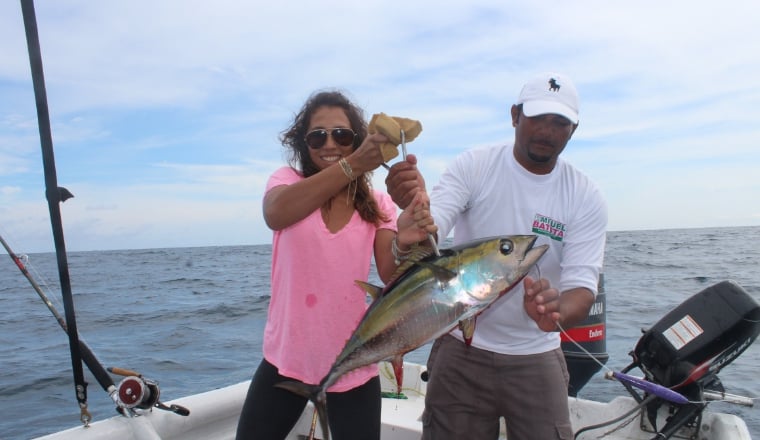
(294, 139)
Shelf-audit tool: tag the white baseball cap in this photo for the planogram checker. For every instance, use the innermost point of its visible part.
(550, 93)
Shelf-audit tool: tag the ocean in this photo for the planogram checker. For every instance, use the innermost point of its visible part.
(192, 318)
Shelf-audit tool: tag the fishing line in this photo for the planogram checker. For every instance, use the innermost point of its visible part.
(25, 263)
(569, 338)
(661, 391)
(87, 356)
(42, 281)
(630, 415)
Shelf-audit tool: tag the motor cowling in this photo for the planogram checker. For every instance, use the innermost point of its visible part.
(699, 337)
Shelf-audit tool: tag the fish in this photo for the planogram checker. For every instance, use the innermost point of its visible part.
(429, 296)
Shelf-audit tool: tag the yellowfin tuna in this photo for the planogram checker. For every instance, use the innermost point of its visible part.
(431, 297)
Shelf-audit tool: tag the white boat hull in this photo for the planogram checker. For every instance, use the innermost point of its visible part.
(214, 415)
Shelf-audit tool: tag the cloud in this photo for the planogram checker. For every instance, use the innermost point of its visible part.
(168, 113)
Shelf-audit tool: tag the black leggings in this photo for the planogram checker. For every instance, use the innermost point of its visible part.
(269, 413)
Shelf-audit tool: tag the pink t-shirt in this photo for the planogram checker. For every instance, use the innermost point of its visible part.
(315, 305)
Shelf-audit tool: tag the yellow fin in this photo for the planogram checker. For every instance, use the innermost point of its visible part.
(441, 273)
(417, 254)
(398, 371)
(468, 329)
(372, 290)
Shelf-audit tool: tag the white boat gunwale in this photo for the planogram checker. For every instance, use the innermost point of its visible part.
(214, 414)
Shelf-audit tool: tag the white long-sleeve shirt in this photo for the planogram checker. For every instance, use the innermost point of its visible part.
(486, 192)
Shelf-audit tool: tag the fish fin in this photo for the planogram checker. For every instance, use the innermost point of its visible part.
(398, 371)
(441, 273)
(416, 254)
(419, 252)
(318, 397)
(374, 291)
(403, 267)
(468, 329)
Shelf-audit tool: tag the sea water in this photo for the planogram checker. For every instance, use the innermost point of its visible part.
(192, 318)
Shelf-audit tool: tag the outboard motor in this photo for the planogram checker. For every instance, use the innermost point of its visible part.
(686, 349)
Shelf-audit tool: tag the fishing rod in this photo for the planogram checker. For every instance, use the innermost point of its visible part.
(55, 195)
(103, 378)
(134, 391)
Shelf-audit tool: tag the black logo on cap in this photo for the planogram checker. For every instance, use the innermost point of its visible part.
(553, 86)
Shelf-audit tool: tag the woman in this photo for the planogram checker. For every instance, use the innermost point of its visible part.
(328, 224)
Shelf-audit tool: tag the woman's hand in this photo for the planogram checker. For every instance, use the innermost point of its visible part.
(368, 156)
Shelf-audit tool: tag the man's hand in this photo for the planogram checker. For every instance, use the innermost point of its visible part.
(550, 310)
(541, 302)
(404, 181)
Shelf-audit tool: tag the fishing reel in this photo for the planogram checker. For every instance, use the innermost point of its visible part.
(138, 392)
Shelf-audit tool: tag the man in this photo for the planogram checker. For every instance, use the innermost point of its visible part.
(514, 366)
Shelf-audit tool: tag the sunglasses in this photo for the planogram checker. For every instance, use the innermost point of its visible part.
(318, 138)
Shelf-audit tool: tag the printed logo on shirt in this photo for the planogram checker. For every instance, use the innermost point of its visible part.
(547, 226)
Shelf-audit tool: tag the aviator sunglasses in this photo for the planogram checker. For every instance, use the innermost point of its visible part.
(317, 139)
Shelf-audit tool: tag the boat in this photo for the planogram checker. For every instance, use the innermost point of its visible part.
(712, 328)
(214, 415)
(680, 357)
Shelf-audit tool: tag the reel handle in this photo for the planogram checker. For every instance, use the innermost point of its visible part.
(123, 372)
(176, 409)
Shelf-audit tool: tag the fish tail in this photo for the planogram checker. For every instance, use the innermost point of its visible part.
(317, 395)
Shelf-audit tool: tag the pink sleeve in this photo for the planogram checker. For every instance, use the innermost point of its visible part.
(283, 176)
(387, 207)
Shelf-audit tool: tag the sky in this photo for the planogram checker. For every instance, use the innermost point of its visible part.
(166, 114)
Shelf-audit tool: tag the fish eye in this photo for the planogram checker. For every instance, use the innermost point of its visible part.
(506, 247)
